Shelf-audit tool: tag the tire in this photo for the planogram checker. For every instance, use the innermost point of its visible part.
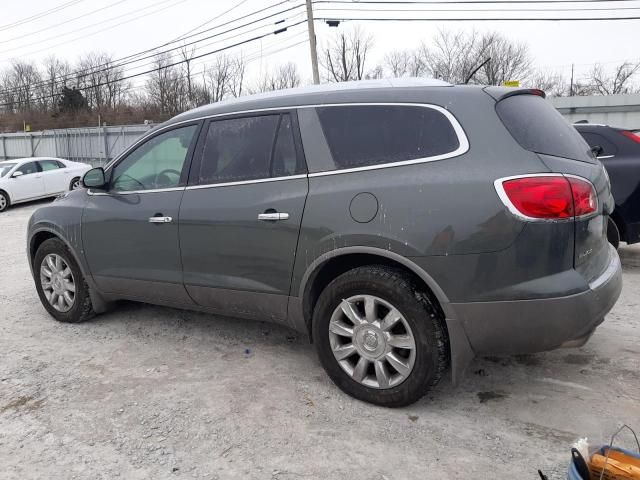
(613, 233)
(80, 309)
(75, 184)
(382, 384)
(5, 202)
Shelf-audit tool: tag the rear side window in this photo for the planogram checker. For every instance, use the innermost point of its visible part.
(538, 127)
(364, 135)
(597, 140)
(249, 148)
(49, 165)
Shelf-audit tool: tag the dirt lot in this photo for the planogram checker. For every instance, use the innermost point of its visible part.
(149, 392)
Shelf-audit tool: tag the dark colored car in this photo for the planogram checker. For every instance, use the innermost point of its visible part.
(619, 151)
(404, 227)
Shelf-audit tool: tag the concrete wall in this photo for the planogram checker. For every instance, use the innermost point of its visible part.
(616, 110)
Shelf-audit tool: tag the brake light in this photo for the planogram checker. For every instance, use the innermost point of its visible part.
(633, 136)
(548, 197)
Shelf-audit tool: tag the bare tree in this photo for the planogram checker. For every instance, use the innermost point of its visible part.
(552, 83)
(283, 76)
(101, 81)
(620, 81)
(344, 57)
(459, 57)
(187, 55)
(507, 60)
(19, 86)
(56, 74)
(166, 86)
(398, 62)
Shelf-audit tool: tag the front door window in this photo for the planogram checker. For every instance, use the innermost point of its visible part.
(156, 164)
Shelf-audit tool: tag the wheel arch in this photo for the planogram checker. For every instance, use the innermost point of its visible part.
(44, 233)
(328, 266)
(620, 223)
(6, 193)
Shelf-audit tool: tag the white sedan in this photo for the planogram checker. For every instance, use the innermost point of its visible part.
(28, 179)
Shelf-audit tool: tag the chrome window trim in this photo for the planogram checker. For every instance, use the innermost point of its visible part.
(463, 141)
(499, 187)
(247, 182)
(135, 192)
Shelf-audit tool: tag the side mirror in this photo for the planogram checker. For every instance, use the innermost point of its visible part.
(94, 178)
(597, 150)
(16, 174)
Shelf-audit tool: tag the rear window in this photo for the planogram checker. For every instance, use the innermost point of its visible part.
(364, 135)
(597, 140)
(538, 127)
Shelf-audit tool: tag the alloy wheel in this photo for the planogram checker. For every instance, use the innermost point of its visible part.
(57, 282)
(372, 341)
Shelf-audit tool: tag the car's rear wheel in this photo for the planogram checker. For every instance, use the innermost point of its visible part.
(613, 233)
(62, 289)
(4, 201)
(379, 337)
(75, 184)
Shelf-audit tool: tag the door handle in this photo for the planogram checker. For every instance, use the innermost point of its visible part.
(273, 216)
(160, 219)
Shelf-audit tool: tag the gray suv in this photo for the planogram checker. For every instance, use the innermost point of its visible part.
(404, 226)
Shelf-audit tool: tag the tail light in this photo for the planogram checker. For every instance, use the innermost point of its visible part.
(548, 197)
(632, 135)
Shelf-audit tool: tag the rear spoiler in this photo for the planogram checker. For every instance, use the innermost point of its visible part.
(500, 93)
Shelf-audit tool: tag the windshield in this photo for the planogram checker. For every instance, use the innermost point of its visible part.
(5, 167)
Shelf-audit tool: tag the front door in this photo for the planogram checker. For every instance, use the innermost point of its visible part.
(130, 232)
(28, 185)
(241, 215)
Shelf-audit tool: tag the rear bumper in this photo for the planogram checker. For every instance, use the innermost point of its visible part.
(528, 326)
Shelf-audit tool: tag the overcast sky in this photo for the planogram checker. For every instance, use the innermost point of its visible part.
(124, 27)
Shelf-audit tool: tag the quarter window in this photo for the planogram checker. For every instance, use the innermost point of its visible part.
(49, 165)
(285, 161)
(156, 164)
(365, 135)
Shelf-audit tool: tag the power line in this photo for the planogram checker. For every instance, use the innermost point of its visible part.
(33, 32)
(511, 19)
(453, 2)
(164, 67)
(212, 19)
(112, 65)
(155, 4)
(37, 16)
(476, 10)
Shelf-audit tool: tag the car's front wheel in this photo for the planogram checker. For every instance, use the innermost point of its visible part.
(4, 201)
(379, 337)
(75, 184)
(62, 289)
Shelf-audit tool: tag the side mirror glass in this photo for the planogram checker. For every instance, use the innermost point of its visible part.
(94, 178)
(16, 174)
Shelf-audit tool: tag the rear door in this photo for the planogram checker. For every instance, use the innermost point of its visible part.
(241, 214)
(538, 127)
(54, 176)
(29, 184)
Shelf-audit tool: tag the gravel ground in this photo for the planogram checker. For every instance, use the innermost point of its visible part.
(149, 392)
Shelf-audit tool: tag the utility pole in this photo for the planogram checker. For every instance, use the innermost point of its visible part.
(571, 85)
(312, 43)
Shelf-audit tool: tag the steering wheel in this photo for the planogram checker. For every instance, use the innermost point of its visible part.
(163, 178)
